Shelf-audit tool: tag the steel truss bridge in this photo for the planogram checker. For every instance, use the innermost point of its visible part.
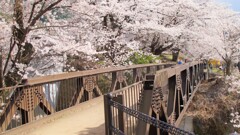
(138, 99)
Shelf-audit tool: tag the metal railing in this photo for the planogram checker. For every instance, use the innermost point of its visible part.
(165, 127)
(130, 97)
(162, 102)
(43, 96)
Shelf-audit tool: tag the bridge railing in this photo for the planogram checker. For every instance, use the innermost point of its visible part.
(43, 96)
(160, 107)
(130, 97)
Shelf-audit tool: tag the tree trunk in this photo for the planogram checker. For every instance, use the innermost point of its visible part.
(175, 54)
(24, 49)
(1, 69)
(228, 67)
(24, 57)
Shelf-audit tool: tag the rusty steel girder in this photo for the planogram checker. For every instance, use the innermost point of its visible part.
(41, 96)
(164, 96)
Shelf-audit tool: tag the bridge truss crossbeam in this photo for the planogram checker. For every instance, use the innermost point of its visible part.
(42, 96)
(163, 97)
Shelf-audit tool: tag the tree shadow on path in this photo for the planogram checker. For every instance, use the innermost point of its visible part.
(100, 130)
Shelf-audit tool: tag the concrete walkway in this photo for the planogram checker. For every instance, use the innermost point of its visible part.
(84, 119)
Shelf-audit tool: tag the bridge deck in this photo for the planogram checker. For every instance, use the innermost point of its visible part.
(84, 119)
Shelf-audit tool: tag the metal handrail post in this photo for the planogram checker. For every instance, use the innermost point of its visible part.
(108, 114)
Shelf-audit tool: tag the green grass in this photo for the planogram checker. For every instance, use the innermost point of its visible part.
(217, 71)
(168, 56)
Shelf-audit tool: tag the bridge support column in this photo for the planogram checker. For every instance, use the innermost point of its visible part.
(153, 102)
(142, 127)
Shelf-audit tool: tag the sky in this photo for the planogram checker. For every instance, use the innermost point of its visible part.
(234, 4)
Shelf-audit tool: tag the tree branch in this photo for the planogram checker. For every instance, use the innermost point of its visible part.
(61, 7)
(34, 20)
(220, 54)
(12, 45)
(43, 5)
(32, 11)
(56, 26)
(18, 13)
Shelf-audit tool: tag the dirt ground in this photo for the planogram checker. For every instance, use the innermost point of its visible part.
(211, 108)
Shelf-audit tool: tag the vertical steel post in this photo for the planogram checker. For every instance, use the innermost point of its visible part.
(114, 81)
(142, 127)
(135, 75)
(121, 118)
(108, 114)
(148, 70)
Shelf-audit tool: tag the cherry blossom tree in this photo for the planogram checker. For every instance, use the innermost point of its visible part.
(26, 16)
(44, 35)
(221, 35)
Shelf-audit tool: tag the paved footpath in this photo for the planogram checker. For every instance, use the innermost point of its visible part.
(84, 119)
